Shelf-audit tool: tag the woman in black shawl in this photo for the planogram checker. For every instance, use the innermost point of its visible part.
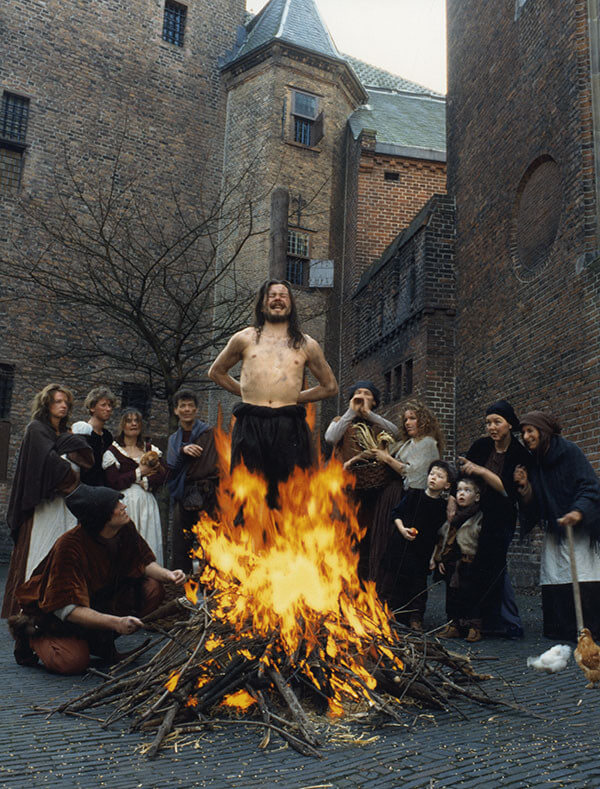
(493, 459)
(562, 489)
(36, 512)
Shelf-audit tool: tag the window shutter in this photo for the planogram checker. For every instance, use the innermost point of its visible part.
(317, 131)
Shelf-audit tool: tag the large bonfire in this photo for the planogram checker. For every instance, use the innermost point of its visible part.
(278, 626)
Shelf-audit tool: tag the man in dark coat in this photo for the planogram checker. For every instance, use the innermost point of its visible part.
(93, 585)
(193, 475)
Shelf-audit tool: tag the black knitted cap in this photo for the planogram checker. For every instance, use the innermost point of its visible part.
(93, 506)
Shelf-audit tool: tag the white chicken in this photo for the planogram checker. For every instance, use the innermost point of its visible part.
(552, 660)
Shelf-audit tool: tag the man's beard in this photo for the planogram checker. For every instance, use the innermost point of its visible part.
(276, 318)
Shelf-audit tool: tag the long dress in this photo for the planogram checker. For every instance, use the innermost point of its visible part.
(498, 605)
(562, 481)
(122, 473)
(417, 454)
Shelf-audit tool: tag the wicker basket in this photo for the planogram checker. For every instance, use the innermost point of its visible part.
(370, 474)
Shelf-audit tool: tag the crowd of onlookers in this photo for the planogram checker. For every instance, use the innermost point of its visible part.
(420, 514)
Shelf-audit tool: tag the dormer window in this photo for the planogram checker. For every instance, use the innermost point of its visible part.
(308, 123)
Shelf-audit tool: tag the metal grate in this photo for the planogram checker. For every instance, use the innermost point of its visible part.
(10, 170)
(302, 130)
(13, 120)
(298, 244)
(296, 271)
(174, 23)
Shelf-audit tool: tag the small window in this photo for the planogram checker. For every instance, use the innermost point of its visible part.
(398, 382)
(11, 162)
(308, 124)
(13, 121)
(14, 115)
(391, 176)
(387, 386)
(298, 258)
(298, 244)
(134, 395)
(174, 23)
(7, 379)
(412, 284)
(408, 376)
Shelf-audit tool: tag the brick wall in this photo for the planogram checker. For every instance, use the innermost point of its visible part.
(99, 76)
(519, 130)
(402, 321)
(386, 206)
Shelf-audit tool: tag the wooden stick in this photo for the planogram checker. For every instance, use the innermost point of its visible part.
(295, 707)
(575, 580)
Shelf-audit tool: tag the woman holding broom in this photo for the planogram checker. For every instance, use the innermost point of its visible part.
(561, 490)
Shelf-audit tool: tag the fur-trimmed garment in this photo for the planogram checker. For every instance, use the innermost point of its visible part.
(272, 442)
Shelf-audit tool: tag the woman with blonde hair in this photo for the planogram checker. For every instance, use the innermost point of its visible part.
(136, 469)
(47, 469)
(421, 442)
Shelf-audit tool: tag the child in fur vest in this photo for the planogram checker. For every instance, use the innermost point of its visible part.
(454, 557)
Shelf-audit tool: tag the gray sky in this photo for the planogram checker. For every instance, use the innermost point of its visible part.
(406, 37)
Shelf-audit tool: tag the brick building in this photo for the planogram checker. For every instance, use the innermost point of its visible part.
(196, 95)
(523, 161)
(403, 317)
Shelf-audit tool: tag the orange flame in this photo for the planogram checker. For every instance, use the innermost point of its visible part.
(171, 683)
(191, 590)
(241, 700)
(293, 571)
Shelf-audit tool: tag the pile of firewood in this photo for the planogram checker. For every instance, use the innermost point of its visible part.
(205, 673)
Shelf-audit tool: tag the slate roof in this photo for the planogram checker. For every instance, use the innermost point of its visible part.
(294, 21)
(374, 77)
(403, 119)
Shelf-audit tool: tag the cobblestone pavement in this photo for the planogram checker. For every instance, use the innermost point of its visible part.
(471, 747)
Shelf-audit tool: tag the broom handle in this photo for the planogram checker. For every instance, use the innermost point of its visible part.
(576, 591)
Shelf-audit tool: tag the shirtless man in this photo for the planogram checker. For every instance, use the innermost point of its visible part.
(270, 433)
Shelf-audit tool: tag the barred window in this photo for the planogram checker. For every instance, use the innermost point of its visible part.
(14, 113)
(297, 261)
(10, 169)
(13, 118)
(174, 23)
(298, 244)
(308, 125)
(134, 395)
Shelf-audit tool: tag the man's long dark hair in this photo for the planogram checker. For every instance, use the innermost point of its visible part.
(296, 338)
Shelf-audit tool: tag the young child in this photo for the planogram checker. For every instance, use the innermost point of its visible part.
(454, 555)
(418, 519)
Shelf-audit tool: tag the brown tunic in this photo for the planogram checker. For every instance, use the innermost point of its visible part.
(84, 570)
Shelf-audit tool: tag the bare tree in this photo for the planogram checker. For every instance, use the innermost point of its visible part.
(145, 287)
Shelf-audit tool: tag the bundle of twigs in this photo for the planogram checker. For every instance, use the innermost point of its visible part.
(204, 670)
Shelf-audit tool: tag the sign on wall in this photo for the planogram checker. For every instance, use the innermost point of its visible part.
(320, 274)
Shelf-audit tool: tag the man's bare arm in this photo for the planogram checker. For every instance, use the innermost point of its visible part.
(319, 367)
(230, 355)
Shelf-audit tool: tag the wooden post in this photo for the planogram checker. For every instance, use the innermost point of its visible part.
(280, 201)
